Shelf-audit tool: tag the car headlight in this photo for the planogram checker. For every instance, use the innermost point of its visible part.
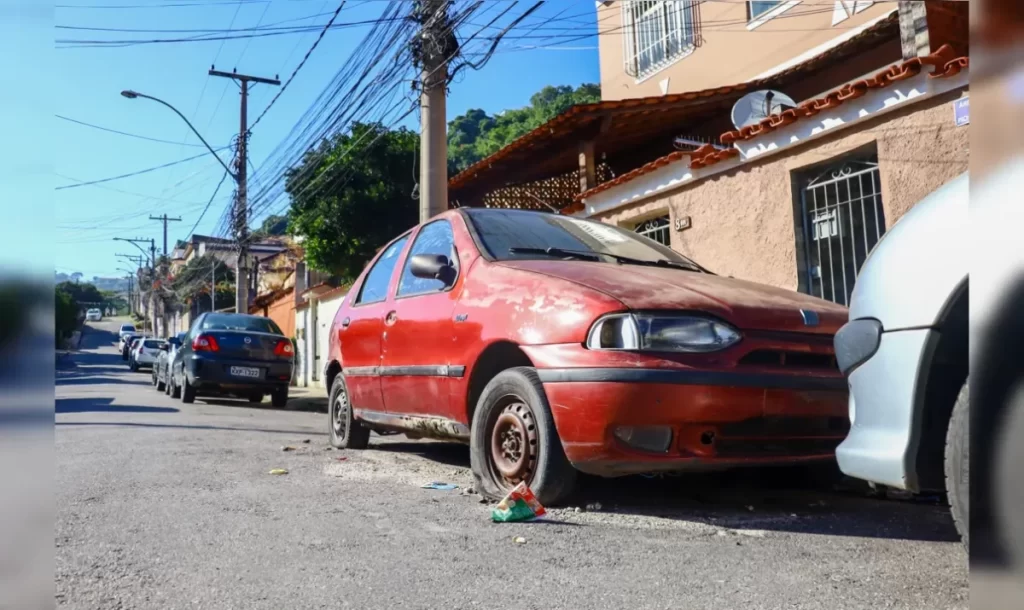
(657, 332)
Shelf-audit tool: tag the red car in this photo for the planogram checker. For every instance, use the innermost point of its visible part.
(554, 345)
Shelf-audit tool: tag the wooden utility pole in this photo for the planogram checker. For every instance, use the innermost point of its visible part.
(164, 219)
(435, 47)
(241, 199)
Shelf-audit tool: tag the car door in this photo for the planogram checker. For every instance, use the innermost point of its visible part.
(416, 367)
(359, 330)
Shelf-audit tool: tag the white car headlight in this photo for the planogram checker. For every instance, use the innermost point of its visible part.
(661, 332)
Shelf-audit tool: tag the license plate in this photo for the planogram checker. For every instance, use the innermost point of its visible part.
(245, 371)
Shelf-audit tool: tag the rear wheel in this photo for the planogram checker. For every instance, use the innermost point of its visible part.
(958, 464)
(174, 390)
(513, 440)
(279, 398)
(188, 393)
(346, 432)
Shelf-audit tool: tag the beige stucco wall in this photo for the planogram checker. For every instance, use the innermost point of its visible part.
(730, 53)
(744, 221)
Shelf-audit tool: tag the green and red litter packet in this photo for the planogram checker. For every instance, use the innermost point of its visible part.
(519, 505)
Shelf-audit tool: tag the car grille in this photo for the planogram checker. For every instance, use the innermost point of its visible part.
(789, 360)
(786, 427)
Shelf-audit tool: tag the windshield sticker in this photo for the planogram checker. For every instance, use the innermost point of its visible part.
(600, 232)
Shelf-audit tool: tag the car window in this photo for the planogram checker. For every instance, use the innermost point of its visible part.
(230, 321)
(375, 287)
(501, 230)
(127, 327)
(152, 344)
(433, 238)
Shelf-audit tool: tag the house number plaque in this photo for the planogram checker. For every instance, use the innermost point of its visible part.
(682, 223)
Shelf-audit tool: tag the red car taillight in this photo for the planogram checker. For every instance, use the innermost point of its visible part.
(284, 349)
(205, 343)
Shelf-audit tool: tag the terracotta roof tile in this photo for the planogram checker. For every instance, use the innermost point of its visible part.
(942, 61)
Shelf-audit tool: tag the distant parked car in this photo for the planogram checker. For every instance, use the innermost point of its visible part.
(905, 353)
(125, 331)
(145, 352)
(161, 369)
(126, 345)
(227, 354)
(93, 315)
(554, 345)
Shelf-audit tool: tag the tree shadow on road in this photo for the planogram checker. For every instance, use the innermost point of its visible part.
(103, 405)
(130, 424)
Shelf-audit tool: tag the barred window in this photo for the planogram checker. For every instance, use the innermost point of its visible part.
(656, 229)
(657, 33)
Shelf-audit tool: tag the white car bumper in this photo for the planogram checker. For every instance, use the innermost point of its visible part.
(882, 391)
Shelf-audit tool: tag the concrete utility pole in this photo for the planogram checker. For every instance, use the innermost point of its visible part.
(435, 51)
(241, 200)
(164, 219)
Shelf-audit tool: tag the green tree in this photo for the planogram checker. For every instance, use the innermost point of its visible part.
(193, 281)
(475, 135)
(274, 225)
(66, 314)
(82, 293)
(353, 195)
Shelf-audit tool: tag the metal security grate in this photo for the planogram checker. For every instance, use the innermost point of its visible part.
(842, 220)
(658, 32)
(656, 229)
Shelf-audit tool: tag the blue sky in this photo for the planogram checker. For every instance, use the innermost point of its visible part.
(85, 83)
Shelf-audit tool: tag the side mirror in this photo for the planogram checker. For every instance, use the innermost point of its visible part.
(434, 267)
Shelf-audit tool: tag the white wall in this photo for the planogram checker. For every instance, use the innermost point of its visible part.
(325, 311)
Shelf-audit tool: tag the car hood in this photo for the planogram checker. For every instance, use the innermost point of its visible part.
(747, 305)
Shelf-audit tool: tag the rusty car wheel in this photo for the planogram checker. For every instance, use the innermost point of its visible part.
(513, 440)
(346, 432)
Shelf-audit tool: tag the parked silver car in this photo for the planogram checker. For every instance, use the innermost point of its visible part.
(905, 354)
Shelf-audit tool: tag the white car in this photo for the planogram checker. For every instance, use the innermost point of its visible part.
(93, 315)
(905, 355)
(125, 331)
(147, 351)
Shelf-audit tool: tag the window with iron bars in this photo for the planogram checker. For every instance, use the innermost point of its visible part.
(658, 32)
(655, 228)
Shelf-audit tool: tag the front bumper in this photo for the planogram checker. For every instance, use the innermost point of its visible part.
(716, 419)
(207, 374)
(881, 408)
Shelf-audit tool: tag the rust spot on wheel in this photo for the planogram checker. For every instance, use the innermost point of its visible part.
(514, 443)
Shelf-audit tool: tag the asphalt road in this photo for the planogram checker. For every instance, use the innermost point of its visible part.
(164, 505)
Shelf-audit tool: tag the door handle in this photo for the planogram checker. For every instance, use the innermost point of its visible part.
(346, 322)
(391, 318)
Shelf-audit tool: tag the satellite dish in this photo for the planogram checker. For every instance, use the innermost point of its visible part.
(756, 106)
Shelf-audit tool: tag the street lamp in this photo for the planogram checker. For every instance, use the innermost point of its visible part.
(128, 93)
(141, 249)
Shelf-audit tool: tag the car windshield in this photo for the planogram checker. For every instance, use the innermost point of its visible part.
(515, 234)
(227, 321)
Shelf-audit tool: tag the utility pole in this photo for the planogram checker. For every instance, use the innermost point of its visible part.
(241, 199)
(435, 47)
(164, 219)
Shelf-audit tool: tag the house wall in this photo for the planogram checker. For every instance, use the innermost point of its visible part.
(325, 312)
(282, 312)
(312, 330)
(733, 50)
(744, 221)
(302, 346)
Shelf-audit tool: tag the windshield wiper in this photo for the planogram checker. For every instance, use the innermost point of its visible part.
(577, 254)
(622, 260)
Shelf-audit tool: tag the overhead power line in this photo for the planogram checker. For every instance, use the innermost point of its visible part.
(123, 133)
(141, 171)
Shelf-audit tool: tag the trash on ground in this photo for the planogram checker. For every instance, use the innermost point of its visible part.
(342, 458)
(279, 471)
(519, 505)
(440, 486)
(287, 448)
(519, 540)
(596, 506)
(305, 441)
